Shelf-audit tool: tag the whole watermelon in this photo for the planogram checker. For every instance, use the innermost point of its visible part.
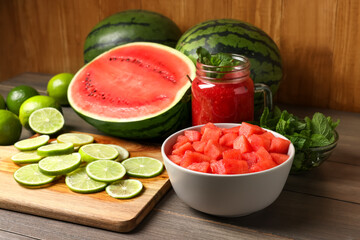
(130, 26)
(235, 36)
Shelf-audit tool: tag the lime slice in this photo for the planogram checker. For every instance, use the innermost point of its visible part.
(26, 157)
(79, 181)
(123, 153)
(55, 149)
(46, 120)
(78, 139)
(59, 165)
(32, 143)
(143, 166)
(105, 170)
(30, 175)
(97, 151)
(126, 188)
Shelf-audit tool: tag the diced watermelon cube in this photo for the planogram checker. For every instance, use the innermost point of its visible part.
(211, 133)
(229, 166)
(250, 157)
(265, 160)
(258, 141)
(279, 158)
(228, 139)
(207, 125)
(231, 130)
(199, 146)
(175, 158)
(191, 157)
(232, 154)
(182, 149)
(268, 135)
(279, 145)
(180, 140)
(200, 167)
(242, 143)
(192, 135)
(248, 129)
(213, 149)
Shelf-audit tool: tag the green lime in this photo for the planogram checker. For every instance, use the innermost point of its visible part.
(126, 188)
(26, 157)
(30, 175)
(10, 127)
(79, 181)
(32, 143)
(105, 170)
(97, 151)
(78, 139)
(123, 153)
(2, 102)
(59, 165)
(18, 95)
(35, 103)
(55, 149)
(143, 167)
(57, 87)
(46, 120)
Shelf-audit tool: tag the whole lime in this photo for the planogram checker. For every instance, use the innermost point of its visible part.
(2, 102)
(57, 87)
(35, 103)
(10, 127)
(18, 95)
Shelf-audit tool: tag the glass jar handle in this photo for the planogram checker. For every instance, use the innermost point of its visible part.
(268, 100)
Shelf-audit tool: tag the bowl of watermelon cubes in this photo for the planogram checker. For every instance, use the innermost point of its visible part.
(227, 169)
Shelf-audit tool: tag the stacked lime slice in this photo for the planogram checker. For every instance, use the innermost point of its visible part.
(30, 175)
(46, 120)
(78, 139)
(79, 181)
(143, 167)
(97, 151)
(55, 149)
(32, 143)
(126, 188)
(26, 157)
(59, 165)
(105, 170)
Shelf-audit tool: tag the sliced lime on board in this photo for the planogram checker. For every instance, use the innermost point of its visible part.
(105, 170)
(30, 175)
(32, 143)
(97, 151)
(78, 139)
(46, 120)
(143, 167)
(26, 157)
(123, 153)
(60, 164)
(79, 181)
(55, 149)
(125, 188)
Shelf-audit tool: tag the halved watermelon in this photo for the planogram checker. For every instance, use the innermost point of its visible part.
(137, 91)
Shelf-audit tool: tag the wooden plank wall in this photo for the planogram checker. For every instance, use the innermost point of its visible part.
(318, 39)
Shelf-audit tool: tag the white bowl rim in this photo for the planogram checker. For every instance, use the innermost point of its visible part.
(291, 153)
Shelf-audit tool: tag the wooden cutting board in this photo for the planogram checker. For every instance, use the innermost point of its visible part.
(97, 209)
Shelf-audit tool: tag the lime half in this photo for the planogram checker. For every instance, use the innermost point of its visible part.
(26, 157)
(126, 188)
(143, 167)
(30, 175)
(78, 139)
(55, 149)
(46, 120)
(97, 151)
(123, 153)
(79, 181)
(32, 143)
(105, 170)
(59, 165)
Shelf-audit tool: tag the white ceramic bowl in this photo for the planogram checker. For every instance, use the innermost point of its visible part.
(226, 195)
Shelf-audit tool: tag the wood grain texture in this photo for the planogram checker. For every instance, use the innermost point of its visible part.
(318, 39)
(98, 209)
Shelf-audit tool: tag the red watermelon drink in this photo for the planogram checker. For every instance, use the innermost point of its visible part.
(224, 94)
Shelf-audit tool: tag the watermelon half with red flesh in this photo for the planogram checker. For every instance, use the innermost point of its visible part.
(136, 91)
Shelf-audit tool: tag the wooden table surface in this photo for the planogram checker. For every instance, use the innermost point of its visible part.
(322, 204)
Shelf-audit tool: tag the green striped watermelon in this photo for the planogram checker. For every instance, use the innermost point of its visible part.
(130, 26)
(136, 91)
(235, 36)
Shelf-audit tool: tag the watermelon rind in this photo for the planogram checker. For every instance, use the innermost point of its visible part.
(154, 126)
(130, 26)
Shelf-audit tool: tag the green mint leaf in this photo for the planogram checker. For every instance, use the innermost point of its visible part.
(204, 56)
(318, 140)
(320, 125)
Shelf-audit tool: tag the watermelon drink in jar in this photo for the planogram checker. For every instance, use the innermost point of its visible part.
(225, 93)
